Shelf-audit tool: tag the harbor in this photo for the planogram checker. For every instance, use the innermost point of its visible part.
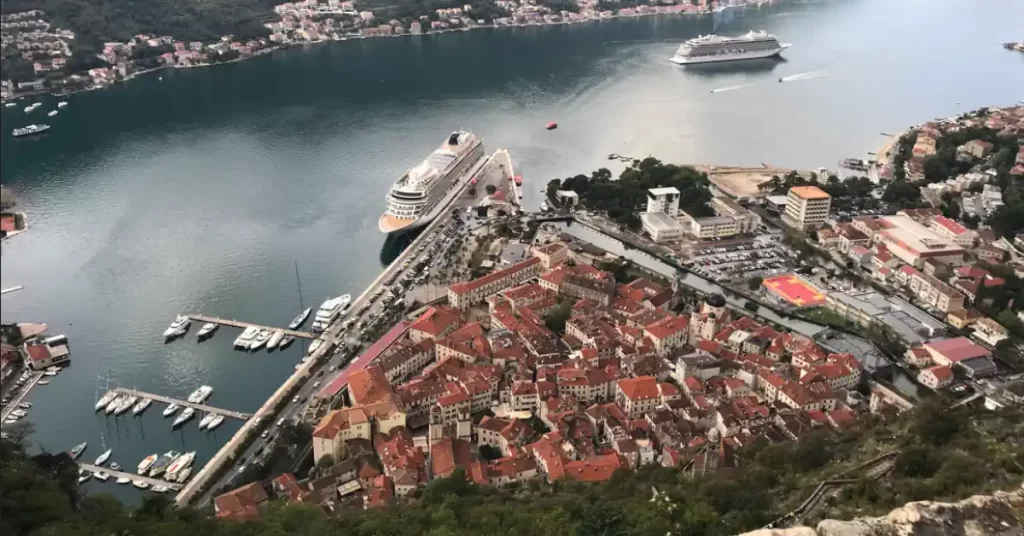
(183, 403)
(151, 482)
(243, 325)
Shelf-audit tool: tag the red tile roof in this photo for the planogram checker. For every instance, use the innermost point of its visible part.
(668, 327)
(595, 469)
(436, 320)
(362, 361)
(957, 349)
(241, 503)
(941, 372)
(642, 388)
(369, 386)
(469, 286)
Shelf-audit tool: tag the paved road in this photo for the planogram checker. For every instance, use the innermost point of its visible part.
(22, 393)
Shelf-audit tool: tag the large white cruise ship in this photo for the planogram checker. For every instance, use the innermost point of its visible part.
(711, 48)
(422, 193)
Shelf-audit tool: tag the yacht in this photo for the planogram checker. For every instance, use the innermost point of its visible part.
(428, 189)
(25, 405)
(275, 340)
(206, 420)
(126, 404)
(43, 382)
(200, 395)
(62, 104)
(19, 413)
(261, 338)
(300, 319)
(184, 474)
(123, 480)
(51, 114)
(78, 450)
(160, 488)
(286, 341)
(329, 310)
(178, 327)
(207, 330)
(314, 346)
(146, 463)
(83, 476)
(217, 419)
(104, 457)
(143, 405)
(186, 414)
(113, 404)
(715, 48)
(141, 484)
(183, 462)
(171, 409)
(245, 339)
(101, 476)
(102, 402)
(162, 463)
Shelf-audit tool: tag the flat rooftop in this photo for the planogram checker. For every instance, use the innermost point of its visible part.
(809, 192)
(795, 290)
(664, 191)
(912, 324)
(660, 221)
(915, 237)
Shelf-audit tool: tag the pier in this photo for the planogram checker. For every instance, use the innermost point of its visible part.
(118, 474)
(243, 325)
(200, 407)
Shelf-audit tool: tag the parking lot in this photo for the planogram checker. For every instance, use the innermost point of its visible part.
(764, 256)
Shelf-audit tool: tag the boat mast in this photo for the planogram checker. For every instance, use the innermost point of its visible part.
(299, 283)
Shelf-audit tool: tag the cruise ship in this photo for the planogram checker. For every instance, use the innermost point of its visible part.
(712, 48)
(427, 189)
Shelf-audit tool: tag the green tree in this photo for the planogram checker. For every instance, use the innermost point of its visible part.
(555, 320)
(754, 283)
(490, 188)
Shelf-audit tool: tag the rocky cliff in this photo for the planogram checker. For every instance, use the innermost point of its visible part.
(981, 515)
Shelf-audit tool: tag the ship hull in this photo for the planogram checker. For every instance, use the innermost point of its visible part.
(393, 226)
(692, 60)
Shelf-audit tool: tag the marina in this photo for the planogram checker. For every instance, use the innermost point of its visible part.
(130, 476)
(185, 403)
(243, 325)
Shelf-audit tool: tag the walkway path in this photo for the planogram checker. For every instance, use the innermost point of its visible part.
(240, 324)
(169, 400)
(119, 474)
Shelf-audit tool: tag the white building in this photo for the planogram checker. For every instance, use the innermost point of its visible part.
(665, 200)
(714, 227)
(659, 222)
(807, 207)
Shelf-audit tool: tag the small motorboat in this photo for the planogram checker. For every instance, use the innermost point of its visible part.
(83, 476)
(245, 339)
(314, 346)
(19, 413)
(51, 114)
(10, 105)
(78, 450)
(62, 104)
(102, 459)
(25, 405)
(207, 330)
(286, 341)
(187, 414)
(49, 373)
(171, 409)
(178, 327)
(115, 466)
(101, 476)
(275, 340)
(43, 382)
(184, 474)
(551, 126)
(161, 489)
(146, 463)
(217, 419)
(141, 484)
(261, 338)
(123, 480)
(300, 319)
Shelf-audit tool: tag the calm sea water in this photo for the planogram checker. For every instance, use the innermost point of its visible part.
(199, 192)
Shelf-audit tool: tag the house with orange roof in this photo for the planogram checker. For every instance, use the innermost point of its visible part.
(404, 360)
(241, 504)
(669, 334)
(369, 385)
(504, 471)
(937, 377)
(637, 396)
(448, 454)
(337, 427)
(550, 455)
(437, 322)
(463, 295)
(806, 207)
(596, 468)
(551, 255)
(468, 343)
(380, 493)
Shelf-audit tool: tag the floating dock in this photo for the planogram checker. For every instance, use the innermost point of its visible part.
(168, 400)
(243, 325)
(133, 476)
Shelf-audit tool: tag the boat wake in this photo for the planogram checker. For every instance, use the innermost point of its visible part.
(804, 76)
(732, 88)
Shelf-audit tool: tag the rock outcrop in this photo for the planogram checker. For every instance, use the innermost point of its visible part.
(980, 515)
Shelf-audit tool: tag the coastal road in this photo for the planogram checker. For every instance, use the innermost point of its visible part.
(22, 393)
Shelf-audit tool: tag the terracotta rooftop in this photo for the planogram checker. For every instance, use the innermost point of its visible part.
(642, 388)
(469, 286)
(436, 320)
(241, 503)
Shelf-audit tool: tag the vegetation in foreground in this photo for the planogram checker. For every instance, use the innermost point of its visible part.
(944, 455)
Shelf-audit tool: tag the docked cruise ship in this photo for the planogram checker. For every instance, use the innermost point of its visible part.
(712, 48)
(425, 190)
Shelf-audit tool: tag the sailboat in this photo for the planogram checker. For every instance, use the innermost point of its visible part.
(171, 409)
(102, 459)
(301, 318)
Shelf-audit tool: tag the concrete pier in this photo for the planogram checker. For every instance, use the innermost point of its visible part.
(243, 325)
(119, 474)
(169, 400)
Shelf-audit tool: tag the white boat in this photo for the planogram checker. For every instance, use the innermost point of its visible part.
(184, 474)
(182, 462)
(83, 476)
(171, 409)
(51, 114)
(206, 420)
(425, 191)
(143, 405)
(160, 488)
(126, 404)
(261, 338)
(115, 466)
(300, 319)
(102, 459)
(141, 484)
(18, 413)
(123, 480)
(275, 340)
(62, 104)
(187, 414)
(217, 419)
(162, 463)
(49, 373)
(178, 327)
(329, 310)
(25, 405)
(101, 476)
(286, 341)
(43, 382)
(245, 339)
(114, 402)
(201, 394)
(207, 330)
(716, 48)
(10, 105)
(29, 130)
(102, 402)
(314, 346)
(146, 463)
(78, 450)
